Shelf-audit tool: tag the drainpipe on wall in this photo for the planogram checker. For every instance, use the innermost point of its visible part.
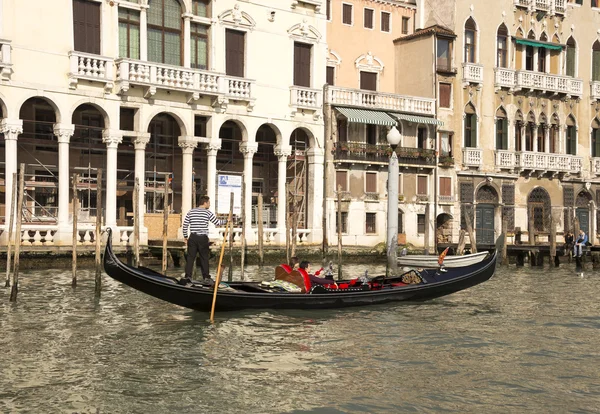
(327, 148)
(436, 148)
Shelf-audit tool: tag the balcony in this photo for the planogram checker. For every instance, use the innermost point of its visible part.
(380, 153)
(194, 82)
(472, 157)
(380, 100)
(5, 60)
(595, 165)
(551, 6)
(305, 99)
(91, 68)
(542, 163)
(472, 73)
(505, 78)
(595, 89)
(548, 83)
(505, 160)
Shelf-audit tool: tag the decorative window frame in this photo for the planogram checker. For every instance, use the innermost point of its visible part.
(237, 19)
(369, 63)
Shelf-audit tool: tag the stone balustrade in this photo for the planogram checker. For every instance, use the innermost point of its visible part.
(556, 6)
(595, 89)
(547, 162)
(505, 159)
(546, 82)
(472, 157)
(90, 67)
(472, 73)
(380, 100)
(305, 98)
(5, 60)
(505, 78)
(595, 167)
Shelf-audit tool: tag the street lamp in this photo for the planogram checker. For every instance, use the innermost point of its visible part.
(393, 138)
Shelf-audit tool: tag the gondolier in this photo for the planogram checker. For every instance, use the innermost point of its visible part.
(195, 232)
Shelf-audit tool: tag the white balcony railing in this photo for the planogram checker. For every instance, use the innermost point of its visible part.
(505, 78)
(472, 157)
(472, 73)
(94, 68)
(5, 59)
(556, 6)
(595, 167)
(238, 88)
(380, 100)
(305, 98)
(546, 162)
(549, 83)
(595, 89)
(505, 159)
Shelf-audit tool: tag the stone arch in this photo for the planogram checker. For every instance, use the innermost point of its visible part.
(39, 116)
(183, 129)
(89, 123)
(487, 193)
(502, 30)
(232, 122)
(544, 37)
(584, 206)
(267, 138)
(539, 209)
(3, 107)
(99, 108)
(38, 100)
(531, 34)
(303, 134)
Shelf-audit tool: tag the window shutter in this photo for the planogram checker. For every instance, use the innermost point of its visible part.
(302, 64)
(86, 26)
(570, 61)
(473, 131)
(504, 134)
(596, 66)
(340, 180)
(445, 186)
(234, 53)
(347, 14)
(330, 75)
(368, 81)
(445, 92)
(597, 143)
(371, 182)
(421, 185)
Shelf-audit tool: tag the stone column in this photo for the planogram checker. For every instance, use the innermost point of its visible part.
(211, 178)
(187, 145)
(248, 149)
(140, 173)
(314, 216)
(63, 132)
(143, 31)
(523, 136)
(112, 139)
(282, 155)
(547, 138)
(187, 51)
(536, 128)
(11, 128)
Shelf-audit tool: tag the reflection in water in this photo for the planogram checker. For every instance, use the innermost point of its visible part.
(525, 341)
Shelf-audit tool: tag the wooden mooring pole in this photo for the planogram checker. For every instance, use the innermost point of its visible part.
(553, 255)
(243, 233)
(230, 271)
(15, 282)
(136, 222)
(470, 230)
(505, 243)
(10, 229)
(339, 230)
(165, 232)
(98, 235)
(75, 201)
(261, 252)
(460, 249)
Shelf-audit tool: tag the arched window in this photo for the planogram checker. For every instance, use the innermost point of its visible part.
(530, 131)
(541, 133)
(596, 61)
(542, 53)
(470, 39)
(539, 208)
(501, 129)
(518, 130)
(596, 138)
(502, 47)
(470, 126)
(571, 144)
(164, 32)
(554, 128)
(571, 56)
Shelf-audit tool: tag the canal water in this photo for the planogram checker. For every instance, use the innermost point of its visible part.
(526, 341)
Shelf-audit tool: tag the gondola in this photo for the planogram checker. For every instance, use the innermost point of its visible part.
(421, 260)
(251, 295)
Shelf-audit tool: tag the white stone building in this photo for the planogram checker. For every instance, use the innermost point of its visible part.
(148, 89)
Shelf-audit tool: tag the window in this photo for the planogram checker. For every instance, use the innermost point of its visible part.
(385, 22)
(341, 180)
(342, 130)
(370, 182)
(421, 223)
(200, 125)
(446, 144)
(518, 130)
(302, 52)
(422, 137)
(347, 15)
(446, 186)
(201, 8)
(444, 55)
(596, 138)
(541, 137)
(368, 18)
(529, 57)
(470, 30)
(530, 132)
(199, 45)
(330, 75)
(405, 21)
(445, 94)
(470, 127)
(422, 185)
(371, 134)
(596, 61)
(164, 32)
(126, 119)
(86, 26)
(554, 137)
(368, 81)
(571, 136)
(542, 59)
(344, 222)
(595, 3)
(371, 223)
(501, 130)
(571, 56)
(328, 10)
(129, 33)
(235, 45)
(502, 47)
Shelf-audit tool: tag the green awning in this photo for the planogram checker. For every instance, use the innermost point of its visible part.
(364, 116)
(417, 119)
(535, 43)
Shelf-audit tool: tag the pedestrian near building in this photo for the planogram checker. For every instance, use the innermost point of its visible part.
(580, 242)
(195, 233)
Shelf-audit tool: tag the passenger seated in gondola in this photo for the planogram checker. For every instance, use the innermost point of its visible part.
(314, 278)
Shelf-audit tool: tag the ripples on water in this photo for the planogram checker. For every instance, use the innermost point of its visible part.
(526, 341)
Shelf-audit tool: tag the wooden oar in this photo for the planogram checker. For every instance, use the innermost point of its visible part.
(219, 268)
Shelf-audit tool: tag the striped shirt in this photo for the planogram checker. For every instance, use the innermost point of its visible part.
(196, 221)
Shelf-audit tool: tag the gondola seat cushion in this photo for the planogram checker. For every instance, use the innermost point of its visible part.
(294, 277)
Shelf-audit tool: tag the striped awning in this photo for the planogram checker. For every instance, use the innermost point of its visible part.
(417, 119)
(365, 116)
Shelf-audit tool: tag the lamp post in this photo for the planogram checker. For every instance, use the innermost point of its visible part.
(393, 138)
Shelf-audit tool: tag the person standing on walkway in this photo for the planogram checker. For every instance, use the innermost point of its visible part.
(195, 233)
(580, 242)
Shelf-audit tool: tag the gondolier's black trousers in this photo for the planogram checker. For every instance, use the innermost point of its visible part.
(197, 245)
